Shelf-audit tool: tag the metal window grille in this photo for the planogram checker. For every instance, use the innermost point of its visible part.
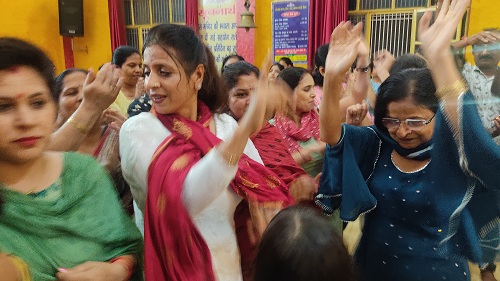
(391, 32)
(142, 15)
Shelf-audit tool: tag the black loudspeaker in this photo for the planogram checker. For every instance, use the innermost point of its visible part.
(71, 17)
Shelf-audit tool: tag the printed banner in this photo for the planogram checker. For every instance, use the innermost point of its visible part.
(217, 26)
(290, 31)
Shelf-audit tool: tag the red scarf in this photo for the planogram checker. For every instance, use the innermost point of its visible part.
(174, 248)
(309, 128)
(274, 153)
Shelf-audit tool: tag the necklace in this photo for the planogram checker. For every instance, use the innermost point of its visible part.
(406, 172)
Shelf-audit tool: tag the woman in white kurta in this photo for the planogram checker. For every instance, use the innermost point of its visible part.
(188, 167)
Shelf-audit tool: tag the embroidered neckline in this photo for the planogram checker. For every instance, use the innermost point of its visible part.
(411, 172)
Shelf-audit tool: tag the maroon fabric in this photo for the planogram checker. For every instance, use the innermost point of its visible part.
(324, 16)
(192, 14)
(275, 154)
(174, 248)
(117, 24)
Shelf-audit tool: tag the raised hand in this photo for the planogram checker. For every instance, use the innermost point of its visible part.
(253, 119)
(113, 119)
(101, 90)
(343, 48)
(356, 113)
(140, 89)
(436, 39)
(483, 37)
(383, 60)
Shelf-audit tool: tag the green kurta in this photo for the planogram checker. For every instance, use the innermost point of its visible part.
(77, 219)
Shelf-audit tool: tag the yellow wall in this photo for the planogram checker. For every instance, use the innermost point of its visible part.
(37, 21)
(97, 40)
(483, 14)
(263, 32)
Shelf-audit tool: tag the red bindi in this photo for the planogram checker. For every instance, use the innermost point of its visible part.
(20, 95)
(14, 69)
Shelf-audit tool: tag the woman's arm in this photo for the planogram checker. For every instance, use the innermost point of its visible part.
(251, 122)
(118, 269)
(8, 270)
(361, 81)
(479, 155)
(343, 49)
(99, 92)
(435, 42)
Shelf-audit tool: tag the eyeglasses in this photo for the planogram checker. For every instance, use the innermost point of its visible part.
(412, 124)
(487, 47)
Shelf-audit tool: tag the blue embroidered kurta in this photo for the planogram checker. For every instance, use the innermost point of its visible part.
(421, 225)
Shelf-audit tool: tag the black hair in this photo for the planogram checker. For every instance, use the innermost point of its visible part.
(287, 60)
(185, 47)
(355, 65)
(278, 65)
(233, 72)
(17, 52)
(407, 61)
(415, 83)
(122, 53)
(60, 81)
(228, 57)
(320, 61)
(292, 76)
(300, 244)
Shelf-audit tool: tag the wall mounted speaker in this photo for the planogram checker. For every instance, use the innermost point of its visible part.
(71, 17)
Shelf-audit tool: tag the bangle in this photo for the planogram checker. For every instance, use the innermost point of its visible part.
(79, 127)
(453, 90)
(233, 159)
(126, 262)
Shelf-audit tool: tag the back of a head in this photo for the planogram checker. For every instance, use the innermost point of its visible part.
(300, 244)
(185, 47)
(292, 76)
(121, 54)
(414, 82)
(407, 61)
(287, 60)
(233, 72)
(227, 58)
(16, 52)
(320, 61)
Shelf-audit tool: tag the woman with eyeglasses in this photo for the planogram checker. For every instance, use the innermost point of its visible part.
(420, 222)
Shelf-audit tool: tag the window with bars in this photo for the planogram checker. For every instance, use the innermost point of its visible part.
(392, 24)
(141, 15)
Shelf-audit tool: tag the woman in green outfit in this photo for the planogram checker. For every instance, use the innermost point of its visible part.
(61, 217)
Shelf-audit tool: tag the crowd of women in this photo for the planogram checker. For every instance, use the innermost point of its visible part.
(245, 174)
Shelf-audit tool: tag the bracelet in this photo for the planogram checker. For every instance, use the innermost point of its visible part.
(79, 127)
(126, 262)
(233, 159)
(453, 90)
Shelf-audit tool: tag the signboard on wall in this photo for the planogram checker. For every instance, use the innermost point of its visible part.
(290, 22)
(217, 26)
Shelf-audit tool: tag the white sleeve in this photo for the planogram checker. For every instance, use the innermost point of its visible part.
(211, 175)
(139, 138)
(206, 180)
